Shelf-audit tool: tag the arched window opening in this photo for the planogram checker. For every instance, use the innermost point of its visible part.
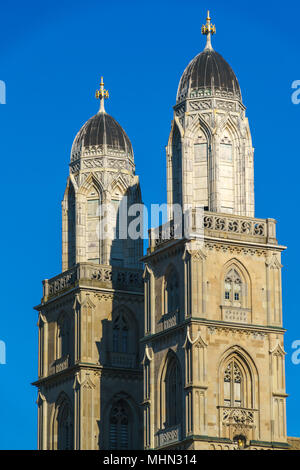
(226, 174)
(119, 426)
(233, 385)
(117, 244)
(120, 334)
(173, 391)
(233, 288)
(176, 166)
(93, 221)
(63, 346)
(71, 227)
(172, 291)
(64, 428)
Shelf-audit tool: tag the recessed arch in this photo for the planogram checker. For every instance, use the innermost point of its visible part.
(198, 123)
(123, 334)
(91, 182)
(63, 334)
(121, 422)
(237, 275)
(170, 409)
(171, 290)
(249, 372)
(62, 423)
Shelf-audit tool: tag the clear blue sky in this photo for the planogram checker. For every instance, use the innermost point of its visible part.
(52, 55)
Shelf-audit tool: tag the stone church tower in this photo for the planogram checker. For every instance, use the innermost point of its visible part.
(186, 352)
(91, 316)
(214, 373)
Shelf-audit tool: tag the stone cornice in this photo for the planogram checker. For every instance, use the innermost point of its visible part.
(114, 293)
(217, 325)
(215, 243)
(100, 370)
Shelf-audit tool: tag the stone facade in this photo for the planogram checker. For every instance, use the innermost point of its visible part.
(214, 340)
(91, 315)
(187, 352)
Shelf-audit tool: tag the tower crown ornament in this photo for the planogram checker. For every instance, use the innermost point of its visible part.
(102, 95)
(208, 30)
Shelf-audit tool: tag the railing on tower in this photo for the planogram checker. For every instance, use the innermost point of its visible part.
(129, 279)
(215, 225)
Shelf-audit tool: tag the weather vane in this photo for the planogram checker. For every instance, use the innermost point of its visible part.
(208, 30)
(102, 95)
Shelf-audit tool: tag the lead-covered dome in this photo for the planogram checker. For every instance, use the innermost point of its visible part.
(102, 134)
(208, 74)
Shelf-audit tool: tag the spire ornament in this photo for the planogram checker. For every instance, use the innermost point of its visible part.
(208, 30)
(102, 95)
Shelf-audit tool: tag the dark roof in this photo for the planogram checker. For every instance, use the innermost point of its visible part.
(206, 71)
(103, 129)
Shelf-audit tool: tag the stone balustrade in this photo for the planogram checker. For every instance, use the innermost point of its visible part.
(129, 279)
(168, 435)
(215, 225)
(60, 364)
(168, 320)
(238, 420)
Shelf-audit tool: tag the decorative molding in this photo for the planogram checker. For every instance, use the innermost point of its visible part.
(168, 436)
(226, 330)
(272, 262)
(278, 350)
(235, 249)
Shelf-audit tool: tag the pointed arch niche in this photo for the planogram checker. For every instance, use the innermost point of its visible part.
(201, 168)
(63, 424)
(123, 339)
(69, 227)
(175, 167)
(117, 246)
(121, 429)
(89, 242)
(238, 395)
(171, 291)
(171, 393)
(93, 243)
(236, 293)
(63, 336)
(227, 172)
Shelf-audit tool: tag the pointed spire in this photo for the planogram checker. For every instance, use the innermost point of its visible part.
(102, 95)
(208, 30)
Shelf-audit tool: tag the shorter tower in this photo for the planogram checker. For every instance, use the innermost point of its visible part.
(91, 315)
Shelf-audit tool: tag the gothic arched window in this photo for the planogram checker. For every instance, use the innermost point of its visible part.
(233, 288)
(173, 392)
(120, 334)
(119, 426)
(64, 427)
(63, 339)
(172, 291)
(233, 385)
(71, 227)
(176, 166)
(93, 227)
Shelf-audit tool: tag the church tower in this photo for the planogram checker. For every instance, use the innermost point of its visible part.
(214, 374)
(91, 315)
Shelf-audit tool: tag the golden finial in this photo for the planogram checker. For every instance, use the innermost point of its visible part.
(102, 95)
(208, 30)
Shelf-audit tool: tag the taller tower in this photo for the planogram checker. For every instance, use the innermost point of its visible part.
(214, 356)
(91, 315)
(209, 153)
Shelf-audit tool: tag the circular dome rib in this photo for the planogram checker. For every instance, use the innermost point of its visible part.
(208, 70)
(103, 130)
